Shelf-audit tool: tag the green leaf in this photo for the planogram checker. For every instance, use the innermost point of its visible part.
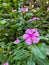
(38, 50)
(29, 14)
(2, 22)
(20, 54)
(30, 61)
(44, 38)
(47, 50)
(42, 62)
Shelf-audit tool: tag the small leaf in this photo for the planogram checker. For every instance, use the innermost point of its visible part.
(30, 61)
(42, 62)
(44, 38)
(2, 22)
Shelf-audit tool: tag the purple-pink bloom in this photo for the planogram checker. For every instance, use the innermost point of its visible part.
(31, 36)
(17, 41)
(48, 8)
(14, 10)
(34, 18)
(24, 9)
(6, 63)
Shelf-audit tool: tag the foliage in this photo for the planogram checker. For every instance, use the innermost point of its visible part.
(13, 26)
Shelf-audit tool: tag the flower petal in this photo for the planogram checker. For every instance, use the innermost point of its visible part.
(6, 63)
(29, 31)
(14, 10)
(25, 36)
(28, 41)
(34, 30)
(35, 39)
(48, 8)
(36, 34)
(24, 9)
(17, 41)
(34, 18)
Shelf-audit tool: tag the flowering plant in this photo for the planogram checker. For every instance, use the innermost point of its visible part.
(24, 32)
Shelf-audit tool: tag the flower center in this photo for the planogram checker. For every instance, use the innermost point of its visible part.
(30, 35)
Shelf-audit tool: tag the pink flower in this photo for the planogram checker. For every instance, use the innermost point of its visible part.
(6, 63)
(24, 9)
(34, 18)
(31, 36)
(17, 41)
(48, 8)
(13, 10)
